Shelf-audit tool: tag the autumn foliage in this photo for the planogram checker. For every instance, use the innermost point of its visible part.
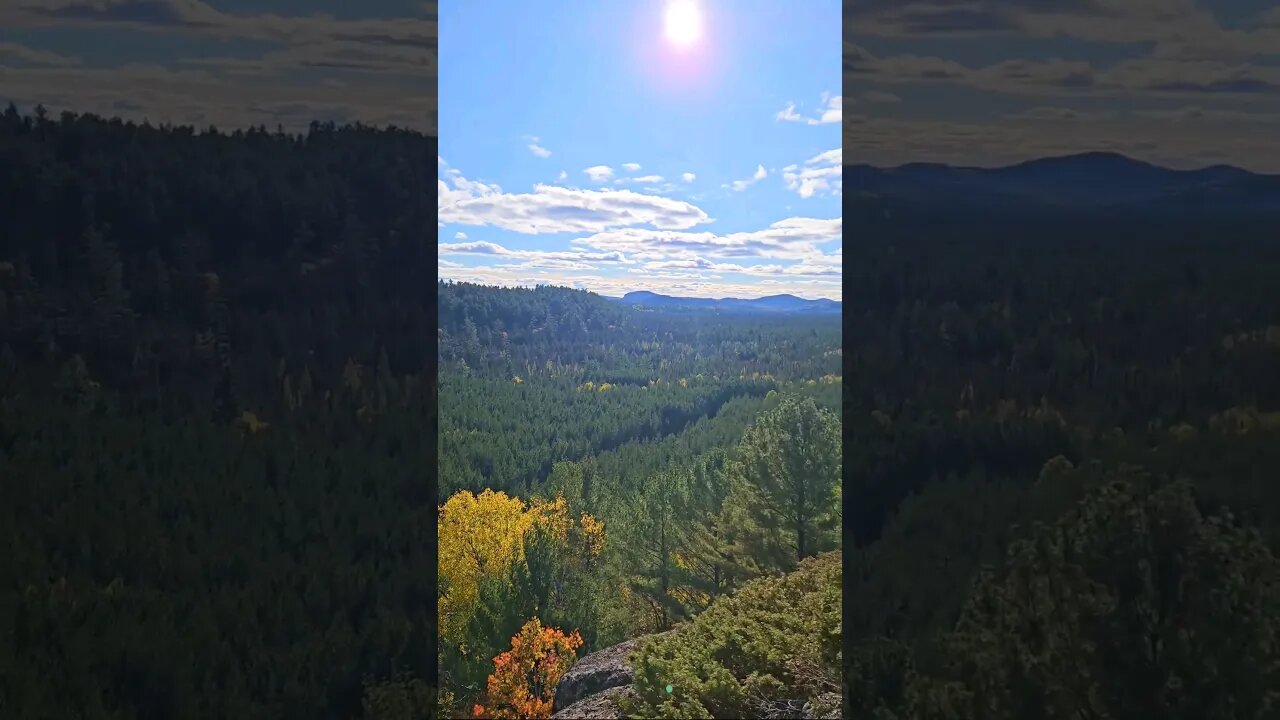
(482, 536)
(524, 679)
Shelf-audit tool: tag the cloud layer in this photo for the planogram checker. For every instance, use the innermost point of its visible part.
(375, 70)
(555, 209)
(1004, 80)
(624, 240)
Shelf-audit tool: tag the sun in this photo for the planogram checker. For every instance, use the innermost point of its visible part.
(683, 22)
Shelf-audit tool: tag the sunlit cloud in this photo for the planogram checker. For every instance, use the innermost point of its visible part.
(482, 247)
(687, 284)
(792, 238)
(554, 209)
(757, 176)
(831, 112)
(818, 175)
(537, 149)
(599, 173)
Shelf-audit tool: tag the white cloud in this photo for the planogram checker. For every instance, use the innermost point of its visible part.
(537, 149)
(551, 209)
(830, 157)
(562, 176)
(760, 174)
(482, 247)
(631, 167)
(832, 112)
(688, 177)
(685, 284)
(599, 173)
(460, 235)
(789, 114)
(822, 266)
(548, 264)
(789, 239)
(648, 179)
(819, 174)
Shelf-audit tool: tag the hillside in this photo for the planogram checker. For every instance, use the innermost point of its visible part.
(216, 371)
(1022, 366)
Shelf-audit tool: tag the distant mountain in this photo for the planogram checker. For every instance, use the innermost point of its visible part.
(1089, 180)
(771, 304)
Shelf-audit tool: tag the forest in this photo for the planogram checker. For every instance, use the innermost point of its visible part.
(219, 373)
(217, 401)
(221, 477)
(610, 473)
(1061, 436)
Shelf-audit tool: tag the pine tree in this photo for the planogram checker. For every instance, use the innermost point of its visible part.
(790, 462)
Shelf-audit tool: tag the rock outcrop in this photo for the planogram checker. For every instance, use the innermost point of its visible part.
(602, 705)
(593, 688)
(594, 684)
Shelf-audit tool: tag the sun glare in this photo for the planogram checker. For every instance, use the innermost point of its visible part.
(683, 22)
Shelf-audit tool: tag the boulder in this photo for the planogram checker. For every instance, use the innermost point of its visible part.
(601, 706)
(595, 673)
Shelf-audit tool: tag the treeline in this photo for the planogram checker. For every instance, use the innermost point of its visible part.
(217, 402)
(186, 268)
(563, 332)
(1060, 440)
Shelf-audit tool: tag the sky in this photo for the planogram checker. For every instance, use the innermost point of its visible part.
(1181, 83)
(228, 63)
(600, 146)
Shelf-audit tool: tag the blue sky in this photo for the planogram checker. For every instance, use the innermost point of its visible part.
(580, 145)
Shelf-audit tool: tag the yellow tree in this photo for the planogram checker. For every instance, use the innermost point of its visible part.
(479, 536)
(483, 536)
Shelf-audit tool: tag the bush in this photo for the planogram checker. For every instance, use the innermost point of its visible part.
(773, 644)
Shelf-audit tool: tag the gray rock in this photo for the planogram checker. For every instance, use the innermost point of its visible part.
(599, 671)
(601, 706)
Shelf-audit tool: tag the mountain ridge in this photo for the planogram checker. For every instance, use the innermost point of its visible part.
(1097, 157)
(1102, 180)
(781, 303)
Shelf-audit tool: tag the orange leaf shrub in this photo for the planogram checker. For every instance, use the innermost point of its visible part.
(524, 679)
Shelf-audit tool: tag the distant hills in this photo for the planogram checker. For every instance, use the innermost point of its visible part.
(1100, 180)
(777, 304)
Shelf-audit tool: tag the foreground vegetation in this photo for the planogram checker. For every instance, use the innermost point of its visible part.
(773, 646)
